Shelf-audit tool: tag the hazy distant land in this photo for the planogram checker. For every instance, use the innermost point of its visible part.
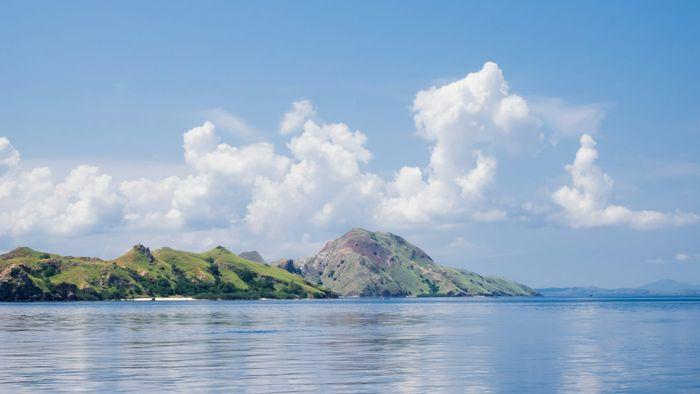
(664, 287)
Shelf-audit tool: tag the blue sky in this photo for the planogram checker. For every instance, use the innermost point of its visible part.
(115, 85)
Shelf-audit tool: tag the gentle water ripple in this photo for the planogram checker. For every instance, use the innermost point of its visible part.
(397, 345)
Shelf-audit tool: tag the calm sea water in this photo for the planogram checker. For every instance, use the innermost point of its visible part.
(363, 345)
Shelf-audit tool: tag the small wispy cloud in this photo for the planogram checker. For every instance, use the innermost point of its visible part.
(682, 257)
(229, 122)
(567, 121)
(679, 257)
(687, 257)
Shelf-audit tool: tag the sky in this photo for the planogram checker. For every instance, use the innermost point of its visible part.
(553, 143)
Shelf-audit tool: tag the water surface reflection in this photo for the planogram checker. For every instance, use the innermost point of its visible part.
(398, 345)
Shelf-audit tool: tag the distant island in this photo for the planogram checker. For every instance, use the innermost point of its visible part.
(664, 287)
(361, 263)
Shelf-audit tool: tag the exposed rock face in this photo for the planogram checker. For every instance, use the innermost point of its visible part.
(65, 292)
(364, 263)
(144, 251)
(253, 256)
(17, 285)
(288, 264)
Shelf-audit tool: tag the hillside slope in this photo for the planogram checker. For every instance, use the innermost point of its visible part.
(365, 263)
(27, 275)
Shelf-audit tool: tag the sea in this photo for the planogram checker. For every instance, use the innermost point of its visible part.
(394, 345)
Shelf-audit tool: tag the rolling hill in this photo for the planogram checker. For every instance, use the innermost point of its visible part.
(29, 275)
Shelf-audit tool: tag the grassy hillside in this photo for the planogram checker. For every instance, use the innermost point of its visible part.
(26, 274)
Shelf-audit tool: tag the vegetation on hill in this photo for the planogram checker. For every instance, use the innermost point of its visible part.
(28, 275)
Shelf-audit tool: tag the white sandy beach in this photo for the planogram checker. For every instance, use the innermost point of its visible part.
(163, 299)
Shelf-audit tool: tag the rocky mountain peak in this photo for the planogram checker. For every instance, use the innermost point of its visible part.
(367, 263)
(144, 251)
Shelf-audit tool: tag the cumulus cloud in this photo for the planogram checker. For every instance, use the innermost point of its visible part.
(323, 184)
(332, 144)
(475, 181)
(206, 154)
(84, 201)
(9, 156)
(461, 120)
(215, 194)
(412, 199)
(478, 109)
(320, 181)
(586, 203)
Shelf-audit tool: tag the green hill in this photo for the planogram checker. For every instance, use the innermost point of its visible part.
(365, 263)
(27, 275)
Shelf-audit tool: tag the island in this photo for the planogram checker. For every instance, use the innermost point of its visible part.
(361, 263)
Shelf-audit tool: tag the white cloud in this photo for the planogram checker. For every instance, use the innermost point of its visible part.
(456, 118)
(462, 120)
(334, 145)
(683, 257)
(204, 152)
(149, 204)
(323, 185)
(412, 199)
(475, 181)
(84, 201)
(320, 183)
(687, 257)
(587, 202)
(293, 120)
(9, 156)
(215, 195)
(478, 109)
